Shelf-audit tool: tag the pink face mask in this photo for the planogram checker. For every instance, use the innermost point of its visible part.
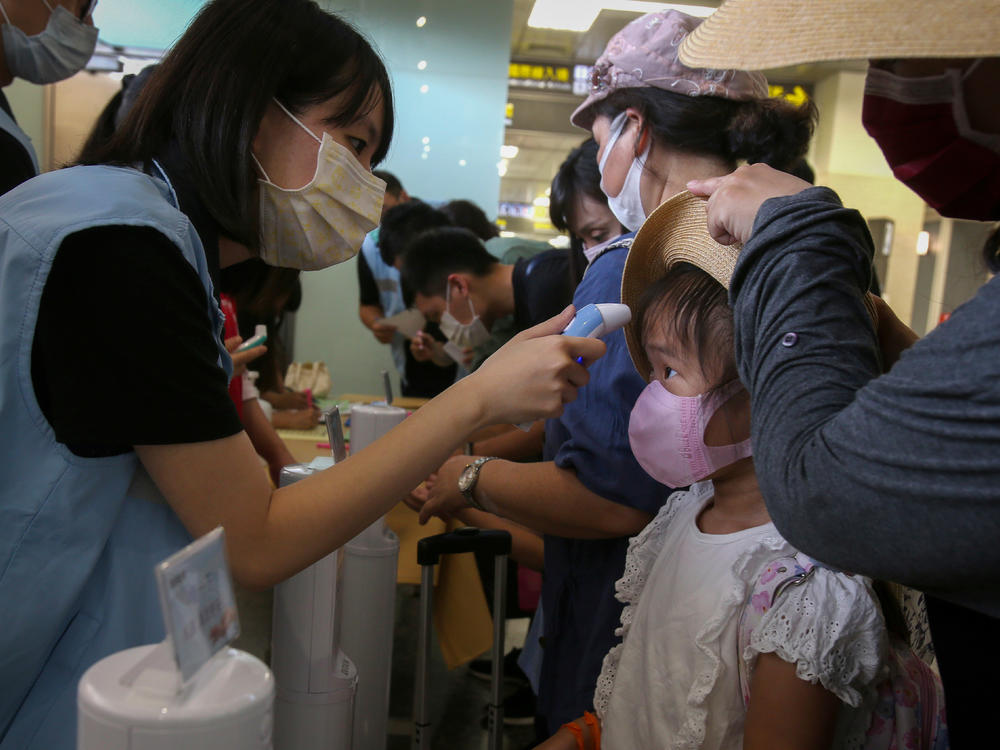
(922, 127)
(667, 434)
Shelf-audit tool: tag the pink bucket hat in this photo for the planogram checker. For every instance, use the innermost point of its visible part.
(644, 53)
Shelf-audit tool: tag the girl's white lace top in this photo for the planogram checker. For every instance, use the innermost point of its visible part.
(674, 683)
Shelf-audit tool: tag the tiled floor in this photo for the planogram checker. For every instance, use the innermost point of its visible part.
(457, 700)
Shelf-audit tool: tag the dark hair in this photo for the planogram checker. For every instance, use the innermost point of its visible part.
(206, 99)
(463, 213)
(392, 184)
(105, 125)
(694, 308)
(435, 254)
(263, 294)
(402, 223)
(991, 249)
(577, 176)
(771, 131)
(803, 171)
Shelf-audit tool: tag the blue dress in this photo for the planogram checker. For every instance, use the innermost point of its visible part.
(591, 438)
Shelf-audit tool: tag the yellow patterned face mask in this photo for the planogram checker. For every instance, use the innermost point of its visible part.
(325, 221)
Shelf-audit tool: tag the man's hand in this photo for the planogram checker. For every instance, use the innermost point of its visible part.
(443, 496)
(383, 332)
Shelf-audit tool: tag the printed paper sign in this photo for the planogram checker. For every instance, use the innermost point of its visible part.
(199, 607)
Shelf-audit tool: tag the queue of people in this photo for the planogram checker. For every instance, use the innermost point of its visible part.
(747, 506)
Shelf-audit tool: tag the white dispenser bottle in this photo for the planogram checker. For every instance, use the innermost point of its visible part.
(316, 681)
(369, 596)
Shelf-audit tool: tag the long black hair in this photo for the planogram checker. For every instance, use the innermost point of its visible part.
(771, 131)
(577, 176)
(208, 96)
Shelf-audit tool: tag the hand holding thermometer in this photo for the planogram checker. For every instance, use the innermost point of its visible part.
(592, 322)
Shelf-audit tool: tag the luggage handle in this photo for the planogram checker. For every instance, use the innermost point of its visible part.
(465, 539)
(429, 551)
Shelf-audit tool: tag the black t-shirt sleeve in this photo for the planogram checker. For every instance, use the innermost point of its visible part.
(542, 287)
(15, 163)
(366, 283)
(124, 351)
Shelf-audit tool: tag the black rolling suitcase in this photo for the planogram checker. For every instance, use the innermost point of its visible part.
(429, 552)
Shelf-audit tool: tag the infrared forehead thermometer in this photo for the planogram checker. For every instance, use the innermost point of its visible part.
(597, 320)
(592, 322)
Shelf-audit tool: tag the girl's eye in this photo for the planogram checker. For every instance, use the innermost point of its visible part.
(668, 373)
(358, 144)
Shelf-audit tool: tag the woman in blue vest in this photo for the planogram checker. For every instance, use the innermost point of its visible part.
(119, 442)
(42, 41)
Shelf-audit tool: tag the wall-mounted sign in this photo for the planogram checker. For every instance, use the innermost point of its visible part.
(796, 94)
(540, 76)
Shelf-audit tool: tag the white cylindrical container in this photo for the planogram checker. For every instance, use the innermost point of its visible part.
(227, 705)
(368, 587)
(324, 719)
(316, 682)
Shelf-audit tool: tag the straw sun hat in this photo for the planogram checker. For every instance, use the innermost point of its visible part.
(677, 232)
(758, 34)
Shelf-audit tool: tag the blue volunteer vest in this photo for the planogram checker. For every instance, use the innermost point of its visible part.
(78, 536)
(390, 295)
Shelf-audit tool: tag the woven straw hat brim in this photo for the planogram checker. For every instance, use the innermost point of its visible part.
(759, 34)
(677, 231)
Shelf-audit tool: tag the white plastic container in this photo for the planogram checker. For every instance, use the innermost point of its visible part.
(227, 705)
(316, 681)
(368, 587)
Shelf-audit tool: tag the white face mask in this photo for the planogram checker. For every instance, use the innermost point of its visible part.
(627, 205)
(465, 335)
(61, 50)
(325, 221)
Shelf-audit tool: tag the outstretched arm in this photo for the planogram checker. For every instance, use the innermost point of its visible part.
(272, 535)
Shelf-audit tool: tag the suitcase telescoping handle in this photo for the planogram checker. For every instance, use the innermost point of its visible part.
(429, 552)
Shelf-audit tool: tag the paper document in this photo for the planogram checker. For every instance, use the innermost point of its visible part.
(409, 322)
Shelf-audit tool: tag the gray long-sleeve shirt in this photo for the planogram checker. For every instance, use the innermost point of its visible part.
(895, 476)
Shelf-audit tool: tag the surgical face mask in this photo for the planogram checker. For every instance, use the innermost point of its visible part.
(325, 221)
(61, 50)
(465, 335)
(627, 205)
(922, 127)
(667, 435)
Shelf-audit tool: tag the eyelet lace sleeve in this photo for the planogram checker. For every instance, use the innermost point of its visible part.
(643, 549)
(831, 628)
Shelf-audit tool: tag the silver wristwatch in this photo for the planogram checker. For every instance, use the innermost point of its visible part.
(468, 478)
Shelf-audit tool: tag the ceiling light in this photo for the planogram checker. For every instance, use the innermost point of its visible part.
(424, 89)
(508, 152)
(553, 14)
(421, 21)
(421, 65)
(462, 162)
(502, 167)
(541, 201)
(425, 140)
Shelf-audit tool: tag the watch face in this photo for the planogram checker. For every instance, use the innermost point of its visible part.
(465, 478)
